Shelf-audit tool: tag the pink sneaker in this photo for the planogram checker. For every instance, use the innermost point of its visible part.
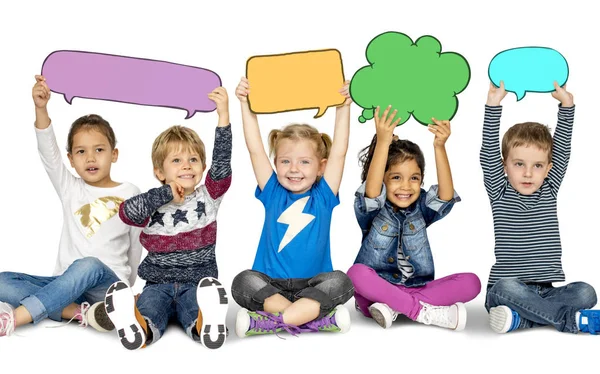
(7, 319)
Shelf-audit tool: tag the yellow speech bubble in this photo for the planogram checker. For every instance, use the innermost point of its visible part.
(294, 81)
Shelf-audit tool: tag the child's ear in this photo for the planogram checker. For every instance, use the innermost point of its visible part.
(70, 157)
(159, 175)
(504, 166)
(322, 166)
(548, 170)
(115, 155)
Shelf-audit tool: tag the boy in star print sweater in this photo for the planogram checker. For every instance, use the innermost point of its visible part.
(179, 223)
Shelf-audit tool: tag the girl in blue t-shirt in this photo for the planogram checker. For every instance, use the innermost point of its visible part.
(292, 285)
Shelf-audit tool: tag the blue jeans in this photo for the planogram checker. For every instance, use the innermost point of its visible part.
(541, 304)
(160, 302)
(86, 279)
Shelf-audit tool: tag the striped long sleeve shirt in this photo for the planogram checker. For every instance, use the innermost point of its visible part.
(527, 238)
(181, 238)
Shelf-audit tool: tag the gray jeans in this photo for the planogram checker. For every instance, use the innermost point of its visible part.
(541, 304)
(250, 289)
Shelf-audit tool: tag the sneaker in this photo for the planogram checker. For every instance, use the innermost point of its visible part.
(338, 320)
(98, 318)
(122, 311)
(7, 319)
(250, 323)
(589, 321)
(212, 311)
(451, 317)
(503, 319)
(383, 314)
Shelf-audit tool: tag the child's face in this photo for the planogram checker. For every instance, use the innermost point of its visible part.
(182, 166)
(297, 165)
(526, 167)
(403, 183)
(92, 157)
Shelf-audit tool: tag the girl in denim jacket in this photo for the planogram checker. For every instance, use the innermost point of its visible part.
(393, 272)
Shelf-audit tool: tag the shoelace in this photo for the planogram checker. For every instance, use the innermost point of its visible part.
(320, 323)
(81, 316)
(272, 323)
(7, 324)
(435, 314)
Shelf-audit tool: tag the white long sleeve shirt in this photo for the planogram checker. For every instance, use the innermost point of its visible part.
(91, 223)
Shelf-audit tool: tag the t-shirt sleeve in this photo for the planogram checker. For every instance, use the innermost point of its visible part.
(267, 193)
(325, 193)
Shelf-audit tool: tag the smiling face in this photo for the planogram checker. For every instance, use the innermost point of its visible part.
(92, 157)
(526, 167)
(403, 183)
(183, 166)
(298, 165)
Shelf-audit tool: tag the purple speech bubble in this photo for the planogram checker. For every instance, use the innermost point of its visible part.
(130, 80)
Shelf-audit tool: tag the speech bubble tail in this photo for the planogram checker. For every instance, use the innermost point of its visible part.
(190, 113)
(69, 99)
(368, 113)
(520, 95)
(362, 119)
(321, 111)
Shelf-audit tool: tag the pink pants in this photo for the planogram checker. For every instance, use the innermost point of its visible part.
(370, 288)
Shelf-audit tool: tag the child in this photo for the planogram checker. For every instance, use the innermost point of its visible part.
(393, 272)
(292, 285)
(522, 184)
(180, 231)
(96, 248)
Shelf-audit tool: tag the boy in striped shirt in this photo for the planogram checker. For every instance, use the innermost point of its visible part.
(522, 181)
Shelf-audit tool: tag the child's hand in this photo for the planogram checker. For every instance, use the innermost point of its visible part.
(561, 94)
(219, 96)
(441, 129)
(384, 128)
(242, 90)
(40, 92)
(496, 94)
(178, 192)
(345, 91)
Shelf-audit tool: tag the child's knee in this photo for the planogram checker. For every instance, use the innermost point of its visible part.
(586, 295)
(88, 265)
(358, 271)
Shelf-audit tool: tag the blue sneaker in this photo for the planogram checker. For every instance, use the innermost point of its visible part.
(503, 319)
(589, 321)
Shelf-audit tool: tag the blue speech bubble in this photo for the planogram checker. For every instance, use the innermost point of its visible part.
(528, 69)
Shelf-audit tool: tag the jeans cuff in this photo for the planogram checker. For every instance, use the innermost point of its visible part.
(190, 332)
(36, 309)
(155, 332)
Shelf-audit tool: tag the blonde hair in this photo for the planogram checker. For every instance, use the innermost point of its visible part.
(176, 137)
(527, 133)
(295, 132)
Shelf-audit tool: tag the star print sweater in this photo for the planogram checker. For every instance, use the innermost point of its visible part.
(181, 238)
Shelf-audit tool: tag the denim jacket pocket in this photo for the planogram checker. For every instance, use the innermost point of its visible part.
(382, 233)
(414, 234)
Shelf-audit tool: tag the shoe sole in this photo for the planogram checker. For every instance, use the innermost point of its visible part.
(378, 317)
(462, 317)
(499, 321)
(213, 304)
(120, 307)
(100, 321)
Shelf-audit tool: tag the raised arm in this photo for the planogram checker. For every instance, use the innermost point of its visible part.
(561, 141)
(50, 153)
(337, 155)
(441, 129)
(260, 161)
(490, 157)
(385, 132)
(219, 176)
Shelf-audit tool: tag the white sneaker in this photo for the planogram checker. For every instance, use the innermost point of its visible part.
(7, 319)
(383, 314)
(451, 317)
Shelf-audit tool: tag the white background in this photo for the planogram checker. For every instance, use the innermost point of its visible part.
(221, 36)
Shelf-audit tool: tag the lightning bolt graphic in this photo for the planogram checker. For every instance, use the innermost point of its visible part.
(295, 219)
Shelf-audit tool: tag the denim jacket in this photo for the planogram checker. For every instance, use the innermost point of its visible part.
(384, 230)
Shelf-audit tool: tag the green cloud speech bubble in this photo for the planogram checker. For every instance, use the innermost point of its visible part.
(416, 78)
